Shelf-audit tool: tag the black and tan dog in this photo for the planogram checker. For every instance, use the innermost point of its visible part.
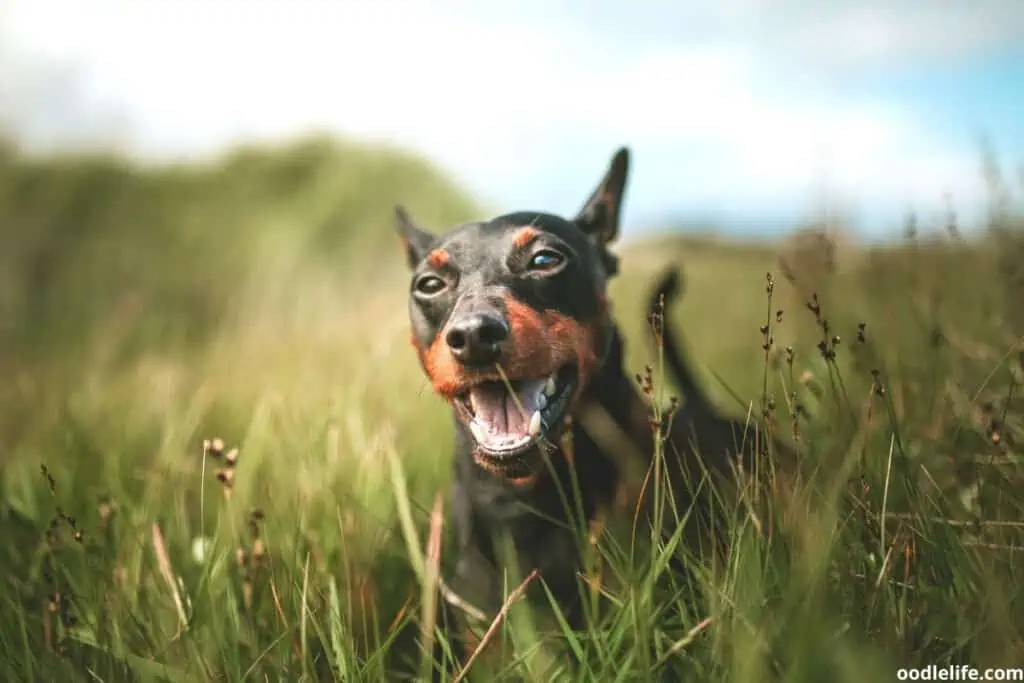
(511, 322)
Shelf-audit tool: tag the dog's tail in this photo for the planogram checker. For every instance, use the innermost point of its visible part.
(667, 290)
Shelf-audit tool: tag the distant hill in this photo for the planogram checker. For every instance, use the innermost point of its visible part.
(85, 239)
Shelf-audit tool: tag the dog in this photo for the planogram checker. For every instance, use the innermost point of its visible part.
(511, 323)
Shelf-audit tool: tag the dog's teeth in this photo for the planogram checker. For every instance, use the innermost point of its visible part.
(535, 424)
(550, 387)
(477, 430)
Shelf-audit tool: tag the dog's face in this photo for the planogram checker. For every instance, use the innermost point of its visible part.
(515, 302)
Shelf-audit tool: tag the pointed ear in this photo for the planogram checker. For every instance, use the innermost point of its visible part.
(415, 240)
(599, 217)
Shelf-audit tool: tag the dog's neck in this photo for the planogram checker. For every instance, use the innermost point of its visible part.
(610, 388)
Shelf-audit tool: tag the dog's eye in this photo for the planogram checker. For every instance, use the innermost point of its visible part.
(428, 285)
(546, 260)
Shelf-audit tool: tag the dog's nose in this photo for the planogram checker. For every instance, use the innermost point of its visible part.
(475, 340)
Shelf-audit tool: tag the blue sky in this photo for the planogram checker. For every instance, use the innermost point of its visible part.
(742, 112)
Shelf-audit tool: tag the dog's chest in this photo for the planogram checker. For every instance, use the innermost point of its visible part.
(506, 532)
(497, 559)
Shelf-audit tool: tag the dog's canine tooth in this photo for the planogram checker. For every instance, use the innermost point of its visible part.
(535, 424)
(477, 431)
(550, 387)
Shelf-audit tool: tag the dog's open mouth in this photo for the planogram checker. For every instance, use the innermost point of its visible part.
(506, 426)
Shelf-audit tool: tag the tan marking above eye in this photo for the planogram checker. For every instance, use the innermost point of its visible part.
(438, 258)
(524, 236)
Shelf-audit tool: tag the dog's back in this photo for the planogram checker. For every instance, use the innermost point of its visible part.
(714, 432)
(707, 452)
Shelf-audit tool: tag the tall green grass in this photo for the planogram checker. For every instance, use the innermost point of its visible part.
(261, 301)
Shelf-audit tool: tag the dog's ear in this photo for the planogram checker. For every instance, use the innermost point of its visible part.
(415, 240)
(599, 216)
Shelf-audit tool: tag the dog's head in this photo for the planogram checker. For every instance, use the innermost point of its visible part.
(515, 302)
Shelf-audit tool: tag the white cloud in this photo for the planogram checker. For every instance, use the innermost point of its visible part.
(876, 31)
(526, 101)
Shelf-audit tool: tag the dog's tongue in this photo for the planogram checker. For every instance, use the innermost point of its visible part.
(503, 417)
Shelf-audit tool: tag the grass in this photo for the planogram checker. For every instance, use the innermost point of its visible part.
(268, 317)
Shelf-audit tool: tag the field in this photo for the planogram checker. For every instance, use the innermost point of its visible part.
(260, 300)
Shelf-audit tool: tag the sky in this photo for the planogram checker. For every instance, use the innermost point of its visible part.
(741, 113)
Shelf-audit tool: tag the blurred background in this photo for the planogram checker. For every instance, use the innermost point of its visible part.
(742, 114)
(190, 190)
(196, 240)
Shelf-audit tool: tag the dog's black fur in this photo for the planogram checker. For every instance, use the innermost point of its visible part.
(526, 293)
